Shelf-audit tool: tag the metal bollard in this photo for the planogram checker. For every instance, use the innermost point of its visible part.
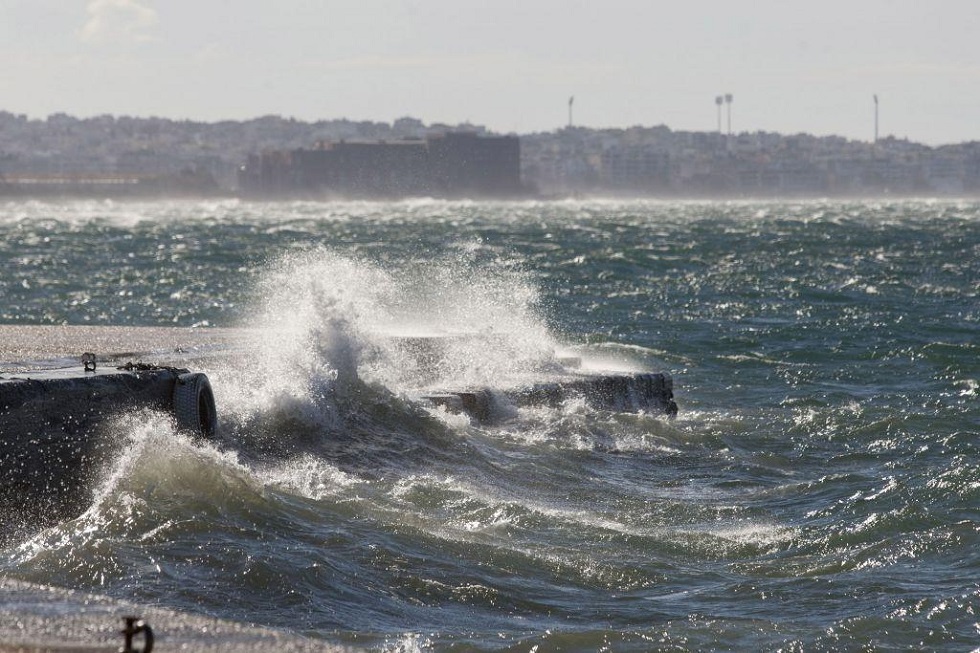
(135, 626)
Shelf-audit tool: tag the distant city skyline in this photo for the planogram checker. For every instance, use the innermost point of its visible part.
(511, 66)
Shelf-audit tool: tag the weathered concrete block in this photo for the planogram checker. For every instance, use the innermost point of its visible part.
(52, 440)
(641, 392)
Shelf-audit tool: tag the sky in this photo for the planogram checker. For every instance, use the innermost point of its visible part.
(511, 65)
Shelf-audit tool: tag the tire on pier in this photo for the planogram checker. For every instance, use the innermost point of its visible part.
(193, 403)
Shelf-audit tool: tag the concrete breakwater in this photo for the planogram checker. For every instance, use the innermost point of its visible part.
(633, 392)
(52, 403)
(52, 443)
(33, 347)
(52, 408)
(564, 380)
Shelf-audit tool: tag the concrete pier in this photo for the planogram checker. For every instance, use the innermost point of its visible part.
(52, 444)
(33, 347)
(53, 437)
(53, 440)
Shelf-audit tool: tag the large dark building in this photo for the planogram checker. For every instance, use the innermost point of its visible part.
(454, 164)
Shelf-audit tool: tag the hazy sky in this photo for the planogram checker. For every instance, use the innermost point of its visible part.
(509, 64)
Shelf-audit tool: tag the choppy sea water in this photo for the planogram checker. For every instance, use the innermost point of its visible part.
(819, 490)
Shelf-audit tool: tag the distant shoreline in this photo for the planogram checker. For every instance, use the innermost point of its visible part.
(15, 197)
(148, 157)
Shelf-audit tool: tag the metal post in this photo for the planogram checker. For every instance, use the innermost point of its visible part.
(728, 100)
(876, 118)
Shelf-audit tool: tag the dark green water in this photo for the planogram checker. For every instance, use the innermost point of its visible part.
(820, 489)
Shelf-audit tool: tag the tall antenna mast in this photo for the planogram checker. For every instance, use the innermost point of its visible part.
(571, 101)
(728, 100)
(718, 100)
(876, 118)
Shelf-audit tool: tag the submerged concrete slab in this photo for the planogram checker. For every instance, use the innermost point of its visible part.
(642, 392)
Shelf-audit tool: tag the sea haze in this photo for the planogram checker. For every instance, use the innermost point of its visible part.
(818, 490)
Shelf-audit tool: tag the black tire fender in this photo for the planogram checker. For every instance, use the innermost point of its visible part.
(193, 404)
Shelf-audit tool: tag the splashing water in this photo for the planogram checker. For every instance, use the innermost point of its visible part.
(326, 323)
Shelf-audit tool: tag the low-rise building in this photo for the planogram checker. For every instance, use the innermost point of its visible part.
(452, 164)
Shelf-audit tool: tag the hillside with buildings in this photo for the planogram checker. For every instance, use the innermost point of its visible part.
(660, 162)
(119, 156)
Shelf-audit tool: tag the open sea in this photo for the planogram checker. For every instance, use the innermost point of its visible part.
(819, 489)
